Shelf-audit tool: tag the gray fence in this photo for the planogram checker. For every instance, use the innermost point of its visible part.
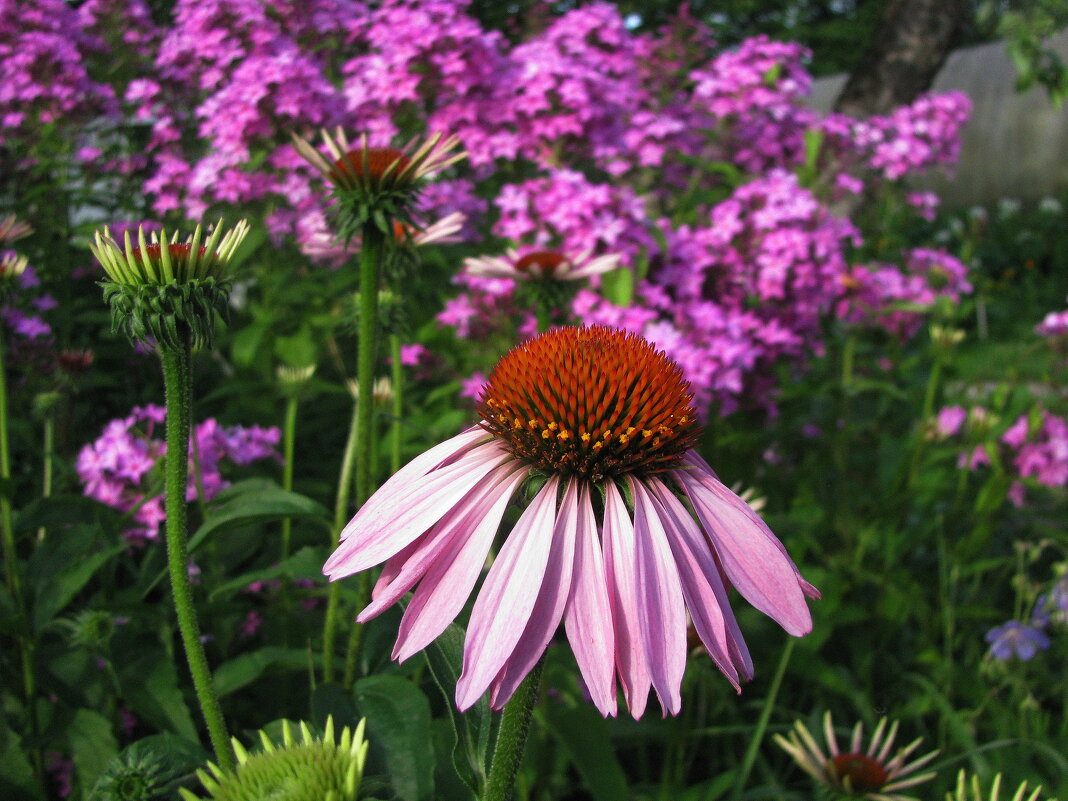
(1016, 144)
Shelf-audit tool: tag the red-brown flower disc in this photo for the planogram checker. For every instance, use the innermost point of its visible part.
(379, 159)
(545, 262)
(865, 774)
(178, 251)
(591, 402)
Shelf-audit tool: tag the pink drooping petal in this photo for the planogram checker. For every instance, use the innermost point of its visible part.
(399, 485)
(389, 527)
(448, 583)
(661, 608)
(702, 586)
(621, 577)
(438, 543)
(718, 487)
(549, 608)
(747, 550)
(507, 597)
(588, 619)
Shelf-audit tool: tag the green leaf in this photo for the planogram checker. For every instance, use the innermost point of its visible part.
(150, 686)
(245, 669)
(257, 501)
(307, 563)
(297, 350)
(618, 286)
(54, 590)
(398, 723)
(584, 736)
(331, 700)
(247, 342)
(444, 657)
(63, 511)
(92, 745)
(17, 782)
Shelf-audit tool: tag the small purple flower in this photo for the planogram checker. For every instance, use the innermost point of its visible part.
(1015, 640)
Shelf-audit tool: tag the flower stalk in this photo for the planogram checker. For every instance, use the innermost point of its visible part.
(512, 737)
(177, 380)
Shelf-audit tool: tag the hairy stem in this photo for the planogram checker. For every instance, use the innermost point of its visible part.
(512, 738)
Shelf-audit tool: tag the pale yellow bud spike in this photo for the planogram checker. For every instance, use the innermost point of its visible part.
(211, 256)
(331, 145)
(268, 746)
(142, 245)
(306, 733)
(192, 265)
(328, 732)
(287, 734)
(165, 256)
(352, 777)
(216, 771)
(242, 754)
(187, 795)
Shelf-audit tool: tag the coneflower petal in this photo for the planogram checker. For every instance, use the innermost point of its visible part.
(388, 528)
(701, 585)
(549, 608)
(762, 573)
(507, 597)
(621, 576)
(588, 620)
(448, 583)
(661, 608)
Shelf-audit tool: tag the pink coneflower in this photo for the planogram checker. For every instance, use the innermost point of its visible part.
(11, 229)
(541, 264)
(855, 772)
(627, 529)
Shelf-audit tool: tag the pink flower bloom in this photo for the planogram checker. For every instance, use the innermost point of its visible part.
(629, 535)
(541, 264)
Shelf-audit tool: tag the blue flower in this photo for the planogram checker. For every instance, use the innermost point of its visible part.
(1016, 640)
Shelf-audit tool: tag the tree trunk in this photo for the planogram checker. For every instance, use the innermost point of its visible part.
(908, 50)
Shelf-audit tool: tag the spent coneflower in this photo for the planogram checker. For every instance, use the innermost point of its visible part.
(11, 229)
(626, 532)
(973, 791)
(541, 264)
(854, 772)
(377, 184)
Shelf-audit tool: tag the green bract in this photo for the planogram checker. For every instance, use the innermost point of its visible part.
(376, 184)
(11, 267)
(312, 770)
(163, 289)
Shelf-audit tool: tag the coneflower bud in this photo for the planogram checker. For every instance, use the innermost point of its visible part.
(166, 290)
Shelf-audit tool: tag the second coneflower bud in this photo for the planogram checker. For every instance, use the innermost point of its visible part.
(168, 290)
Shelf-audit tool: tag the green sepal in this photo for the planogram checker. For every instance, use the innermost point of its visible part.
(353, 208)
(162, 312)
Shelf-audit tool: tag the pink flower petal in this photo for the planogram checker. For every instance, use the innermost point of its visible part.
(448, 583)
(507, 597)
(549, 607)
(702, 587)
(661, 609)
(621, 577)
(389, 526)
(588, 619)
(751, 556)
(438, 543)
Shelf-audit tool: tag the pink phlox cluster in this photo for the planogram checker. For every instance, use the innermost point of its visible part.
(20, 312)
(434, 58)
(46, 79)
(913, 138)
(887, 297)
(483, 306)
(126, 26)
(754, 92)
(1054, 324)
(1040, 451)
(439, 198)
(121, 467)
(565, 210)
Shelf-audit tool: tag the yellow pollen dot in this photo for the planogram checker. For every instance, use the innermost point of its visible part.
(545, 433)
(624, 438)
(532, 424)
(553, 426)
(597, 446)
(607, 434)
(630, 430)
(563, 436)
(585, 436)
(517, 423)
(646, 433)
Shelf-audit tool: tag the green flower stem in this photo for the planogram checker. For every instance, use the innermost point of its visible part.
(352, 652)
(289, 428)
(341, 512)
(543, 314)
(512, 737)
(762, 723)
(177, 382)
(11, 567)
(48, 457)
(371, 248)
(397, 409)
(11, 571)
(929, 395)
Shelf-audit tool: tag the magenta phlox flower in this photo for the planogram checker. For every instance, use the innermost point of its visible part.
(624, 575)
(1015, 640)
(950, 421)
